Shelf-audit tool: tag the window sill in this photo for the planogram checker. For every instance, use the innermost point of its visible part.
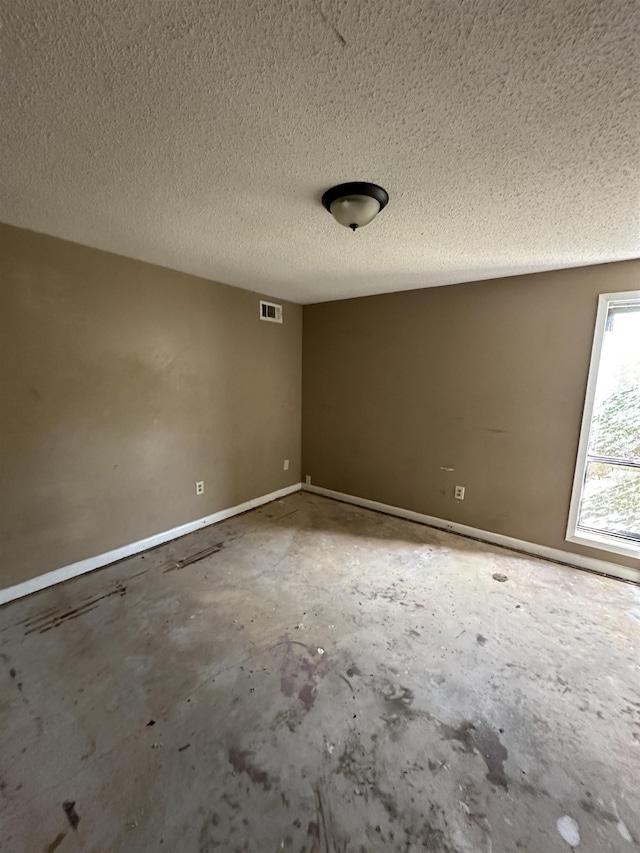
(606, 543)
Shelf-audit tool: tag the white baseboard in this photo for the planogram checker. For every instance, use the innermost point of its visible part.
(91, 563)
(567, 558)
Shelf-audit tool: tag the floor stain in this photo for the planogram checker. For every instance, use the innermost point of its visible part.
(14, 675)
(57, 841)
(494, 754)
(399, 699)
(194, 558)
(348, 683)
(69, 807)
(597, 811)
(327, 838)
(307, 695)
(300, 672)
(46, 621)
(488, 744)
(425, 828)
(209, 835)
(241, 762)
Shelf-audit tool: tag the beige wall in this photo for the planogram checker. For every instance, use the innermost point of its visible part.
(121, 384)
(487, 378)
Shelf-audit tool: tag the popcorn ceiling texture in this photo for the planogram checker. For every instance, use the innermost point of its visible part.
(201, 135)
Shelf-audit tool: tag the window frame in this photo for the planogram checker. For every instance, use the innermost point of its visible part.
(611, 543)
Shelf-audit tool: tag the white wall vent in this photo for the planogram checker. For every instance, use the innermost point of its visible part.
(270, 311)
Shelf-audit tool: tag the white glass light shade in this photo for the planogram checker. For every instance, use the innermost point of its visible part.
(355, 210)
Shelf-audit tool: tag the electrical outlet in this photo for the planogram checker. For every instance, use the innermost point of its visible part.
(459, 493)
(285, 467)
(200, 487)
(307, 479)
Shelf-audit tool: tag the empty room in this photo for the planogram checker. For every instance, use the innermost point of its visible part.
(320, 426)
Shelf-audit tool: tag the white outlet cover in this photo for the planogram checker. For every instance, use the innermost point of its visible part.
(459, 493)
(285, 467)
(200, 487)
(307, 479)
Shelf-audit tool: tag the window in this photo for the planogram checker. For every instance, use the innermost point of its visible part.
(605, 505)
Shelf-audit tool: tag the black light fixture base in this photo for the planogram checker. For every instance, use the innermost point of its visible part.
(355, 188)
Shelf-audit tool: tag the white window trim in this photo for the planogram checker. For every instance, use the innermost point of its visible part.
(594, 540)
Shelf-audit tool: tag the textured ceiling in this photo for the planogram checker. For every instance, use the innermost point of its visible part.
(201, 135)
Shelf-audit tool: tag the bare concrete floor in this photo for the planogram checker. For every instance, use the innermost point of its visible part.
(323, 679)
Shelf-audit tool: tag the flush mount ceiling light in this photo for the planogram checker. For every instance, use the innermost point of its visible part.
(355, 204)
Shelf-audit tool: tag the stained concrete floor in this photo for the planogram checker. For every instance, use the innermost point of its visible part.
(315, 677)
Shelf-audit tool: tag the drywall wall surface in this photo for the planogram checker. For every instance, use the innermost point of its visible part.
(407, 395)
(121, 384)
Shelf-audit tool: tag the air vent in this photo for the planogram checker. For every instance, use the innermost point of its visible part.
(271, 312)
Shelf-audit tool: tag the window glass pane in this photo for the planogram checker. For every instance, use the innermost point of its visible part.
(611, 500)
(615, 427)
